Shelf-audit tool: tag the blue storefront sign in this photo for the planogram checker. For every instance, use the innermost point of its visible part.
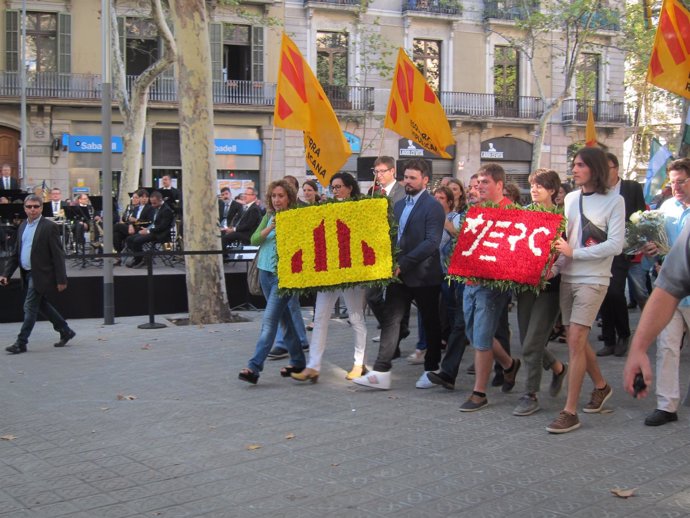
(232, 146)
(354, 141)
(91, 144)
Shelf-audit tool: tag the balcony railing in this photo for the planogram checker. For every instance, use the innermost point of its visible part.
(509, 9)
(491, 106)
(451, 7)
(350, 97)
(52, 85)
(351, 3)
(574, 110)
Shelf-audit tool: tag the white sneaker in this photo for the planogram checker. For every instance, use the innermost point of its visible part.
(417, 357)
(375, 379)
(376, 338)
(424, 382)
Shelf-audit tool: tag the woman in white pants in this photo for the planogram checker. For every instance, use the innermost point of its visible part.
(343, 186)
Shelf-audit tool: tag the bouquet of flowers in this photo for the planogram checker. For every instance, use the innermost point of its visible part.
(644, 227)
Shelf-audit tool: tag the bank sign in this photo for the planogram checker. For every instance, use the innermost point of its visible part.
(92, 144)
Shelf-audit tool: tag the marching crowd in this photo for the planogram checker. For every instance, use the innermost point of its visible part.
(586, 282)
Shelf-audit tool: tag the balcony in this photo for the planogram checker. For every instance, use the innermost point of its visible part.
(510, 10)
(348, 5)
(442, 7)
(360, 98)
(605, 21)
(52, 85)
(574, 110)
(491, 106)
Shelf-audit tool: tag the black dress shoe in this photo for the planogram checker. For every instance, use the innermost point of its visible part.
(498, 380)
(621, 346)
(607, 350)
(16, 348)
(659, 417)
(632, 305)
(64, 338)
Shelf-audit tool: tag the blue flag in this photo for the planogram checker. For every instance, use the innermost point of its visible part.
(656, 170)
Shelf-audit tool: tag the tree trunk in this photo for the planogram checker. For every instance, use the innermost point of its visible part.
(206, 295)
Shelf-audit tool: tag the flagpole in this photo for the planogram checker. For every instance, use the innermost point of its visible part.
(270, 160)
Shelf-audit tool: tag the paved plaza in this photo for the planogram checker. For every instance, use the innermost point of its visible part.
(154, 423)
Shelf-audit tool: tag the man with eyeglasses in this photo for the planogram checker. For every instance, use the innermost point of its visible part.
(384, 176)
(676, 211)
(41, 260)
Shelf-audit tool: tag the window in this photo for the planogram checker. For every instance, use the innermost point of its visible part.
(587, 78)
(48, 42)
(237, 52)
(41, 42)
(426, 55)
(141, 45)
(506, 83)
(331, 58)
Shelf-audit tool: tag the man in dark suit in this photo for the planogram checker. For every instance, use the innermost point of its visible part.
(228, 210)
(615, 324)
(246, 222)
(7, 181)
(386, 184)
(158, 231)
(171, 195)
(420, 221)
(56, 204)
(41, 260)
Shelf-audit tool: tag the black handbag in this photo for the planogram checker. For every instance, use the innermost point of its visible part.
(591, 234)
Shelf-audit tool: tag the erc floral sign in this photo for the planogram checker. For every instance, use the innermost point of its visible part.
(334, 245)
(505, 248)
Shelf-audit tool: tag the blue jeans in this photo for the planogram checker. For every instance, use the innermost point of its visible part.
(296, 315)
(483, 308)
(35, 303)
(276, 312)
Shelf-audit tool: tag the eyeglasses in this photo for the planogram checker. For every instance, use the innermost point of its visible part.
(679, 183)
(381, 171)
(32, 206)
(336, 187)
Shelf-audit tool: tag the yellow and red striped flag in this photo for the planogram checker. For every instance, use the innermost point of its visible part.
(301, 104)
(415, 112)
(669, 66)
(590, 130)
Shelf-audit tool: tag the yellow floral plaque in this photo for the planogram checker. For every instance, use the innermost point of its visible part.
(333, 245)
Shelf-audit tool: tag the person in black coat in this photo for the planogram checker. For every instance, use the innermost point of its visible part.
(41, 260)
(7, 181)
(246, 222)
(615, 323)
(163, 218)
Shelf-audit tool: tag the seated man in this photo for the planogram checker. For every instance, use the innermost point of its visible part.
(82, 224)
(158, 231)
(137, 211)
(247, 221)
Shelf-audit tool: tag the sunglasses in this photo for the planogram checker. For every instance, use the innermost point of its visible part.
(32, 206)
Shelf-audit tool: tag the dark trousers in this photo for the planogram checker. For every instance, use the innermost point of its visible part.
(457, 341)
(231, 237)
(120, 234)
(36, 303)
(615, 322)
(398, 298)
(503, 334)
(375, 300)
(136, 243)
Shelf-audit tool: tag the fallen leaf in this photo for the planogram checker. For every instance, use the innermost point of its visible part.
(105, 408)
(252, 447)
(8, 437)
(102, 339)
(146, 347)
(393, 397)
(334, 465)
(214, 331)
(290, 436)
(129, 397)
(623, 493)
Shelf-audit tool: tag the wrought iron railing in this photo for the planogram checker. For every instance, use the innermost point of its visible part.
(334, 2)
(350, 97)
(604, 111)
(509, 9)
(491, 106)
(452, 7)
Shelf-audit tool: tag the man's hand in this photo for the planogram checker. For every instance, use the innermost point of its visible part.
(396, 273)
(3, 281)
(637, 362)
(143, 231)
(564, 248)
(61, 287)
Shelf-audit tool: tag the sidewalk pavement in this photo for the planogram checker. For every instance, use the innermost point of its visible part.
(131, 423)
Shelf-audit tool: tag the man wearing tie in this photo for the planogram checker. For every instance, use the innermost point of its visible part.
(247, 220)
(228, 210)
(8, 181)
(420, 221)
(158, 231)
(56, 203)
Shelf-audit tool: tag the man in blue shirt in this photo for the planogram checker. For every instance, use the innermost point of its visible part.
(41, 260)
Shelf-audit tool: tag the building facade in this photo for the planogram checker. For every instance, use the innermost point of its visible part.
(486, 86)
